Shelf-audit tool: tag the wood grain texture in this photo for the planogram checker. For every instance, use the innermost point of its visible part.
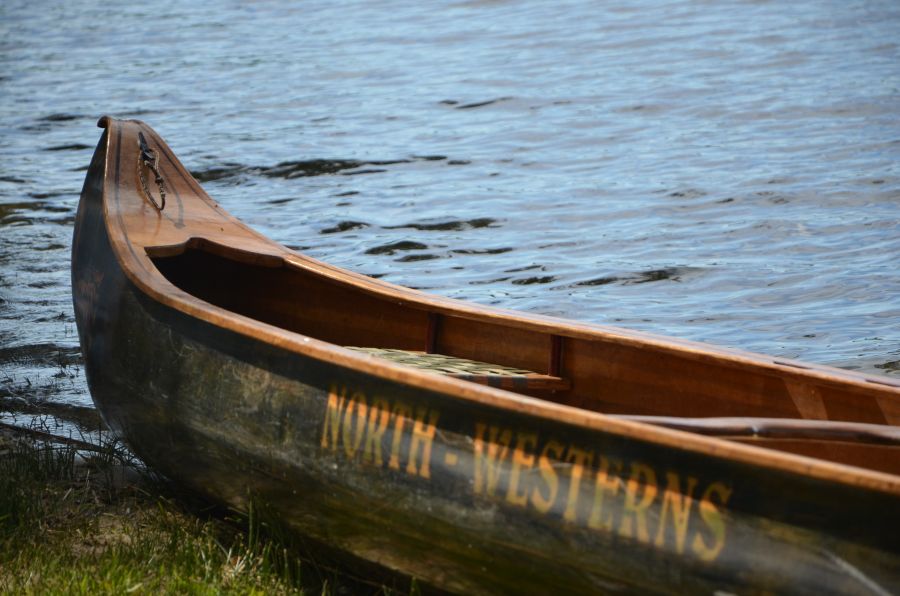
(221, 357)
(611, 370)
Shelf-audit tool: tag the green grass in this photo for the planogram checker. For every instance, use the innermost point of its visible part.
(86, 523)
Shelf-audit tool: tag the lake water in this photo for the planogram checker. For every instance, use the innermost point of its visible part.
(722, 171)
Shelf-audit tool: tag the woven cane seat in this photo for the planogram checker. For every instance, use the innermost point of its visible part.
(495, 375)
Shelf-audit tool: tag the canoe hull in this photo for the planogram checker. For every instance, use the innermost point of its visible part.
(465, 496)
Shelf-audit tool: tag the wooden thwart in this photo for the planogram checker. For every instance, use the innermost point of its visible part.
(494, 375)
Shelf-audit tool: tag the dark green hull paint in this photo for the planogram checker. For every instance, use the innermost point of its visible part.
(234, 418)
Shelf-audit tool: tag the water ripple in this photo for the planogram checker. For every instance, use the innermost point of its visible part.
(725, 172)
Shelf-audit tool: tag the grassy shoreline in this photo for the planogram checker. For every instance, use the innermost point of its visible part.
(94, 521)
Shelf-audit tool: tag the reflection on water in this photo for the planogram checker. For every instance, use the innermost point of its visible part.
(725, 172)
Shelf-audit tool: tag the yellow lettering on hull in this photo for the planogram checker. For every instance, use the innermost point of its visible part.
(566, 480)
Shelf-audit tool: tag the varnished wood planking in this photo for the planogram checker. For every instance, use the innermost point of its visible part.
(198, 216)
(297, 301)
(610, 378)
(853, 405)
(623, 379)
(884, 458)
(488, 341)
(231, 390)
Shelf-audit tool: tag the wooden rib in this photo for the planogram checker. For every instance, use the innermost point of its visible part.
(890, 407)
(808, 400)
(431, 337)
(556, 348)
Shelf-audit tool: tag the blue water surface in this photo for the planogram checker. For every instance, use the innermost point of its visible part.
(723, 171)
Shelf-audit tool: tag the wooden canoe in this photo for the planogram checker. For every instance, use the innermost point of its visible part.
(479, 450)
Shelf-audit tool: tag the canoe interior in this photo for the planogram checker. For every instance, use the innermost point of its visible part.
(592, 371)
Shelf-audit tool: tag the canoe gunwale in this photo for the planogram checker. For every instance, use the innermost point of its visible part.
(136, 260)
